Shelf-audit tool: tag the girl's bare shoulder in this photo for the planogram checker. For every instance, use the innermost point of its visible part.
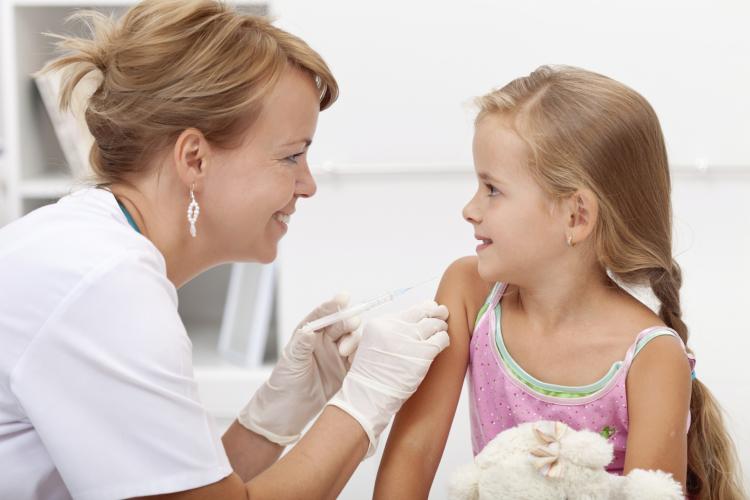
(462, 284)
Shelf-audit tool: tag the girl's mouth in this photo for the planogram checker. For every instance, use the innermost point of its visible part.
(485, 242)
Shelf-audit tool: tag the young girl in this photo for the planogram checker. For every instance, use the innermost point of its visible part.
(573, 198)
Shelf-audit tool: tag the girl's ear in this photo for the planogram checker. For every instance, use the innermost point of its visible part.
(582, 210)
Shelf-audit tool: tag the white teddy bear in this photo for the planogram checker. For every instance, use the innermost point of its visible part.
(549, 460)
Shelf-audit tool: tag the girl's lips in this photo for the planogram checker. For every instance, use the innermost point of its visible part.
(485, 242)
(483, 245)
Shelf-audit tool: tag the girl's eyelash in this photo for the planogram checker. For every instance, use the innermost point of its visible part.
(492, 189)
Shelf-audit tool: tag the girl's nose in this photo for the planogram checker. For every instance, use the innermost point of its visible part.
(471, 212)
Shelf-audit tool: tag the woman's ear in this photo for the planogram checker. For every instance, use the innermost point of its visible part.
(582, 210)
(191, 156)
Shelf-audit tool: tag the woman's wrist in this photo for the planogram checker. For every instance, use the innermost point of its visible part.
(249, 453)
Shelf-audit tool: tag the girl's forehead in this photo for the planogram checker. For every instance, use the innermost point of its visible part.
(498, 148)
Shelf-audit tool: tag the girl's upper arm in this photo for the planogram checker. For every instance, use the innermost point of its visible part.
(658, 392)
(420, 429)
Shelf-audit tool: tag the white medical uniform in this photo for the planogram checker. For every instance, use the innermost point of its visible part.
(97, 394)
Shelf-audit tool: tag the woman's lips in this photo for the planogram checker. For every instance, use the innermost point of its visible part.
(282, 219)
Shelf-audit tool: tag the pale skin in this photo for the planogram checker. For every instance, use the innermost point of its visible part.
(556, 322)
(241, 191)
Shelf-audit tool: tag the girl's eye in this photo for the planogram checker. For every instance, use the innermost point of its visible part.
(493, 191)
(294, 158)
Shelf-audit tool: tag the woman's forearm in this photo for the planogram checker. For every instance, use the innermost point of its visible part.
(316, 469)
(249, 453)
(319, 465)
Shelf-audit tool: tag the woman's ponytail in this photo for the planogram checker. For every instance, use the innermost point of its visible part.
(83, 55)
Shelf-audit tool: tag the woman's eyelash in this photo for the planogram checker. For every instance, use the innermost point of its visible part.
(293, 158)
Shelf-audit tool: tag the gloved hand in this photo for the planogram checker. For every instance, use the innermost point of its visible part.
(309, 371)
(392, 359)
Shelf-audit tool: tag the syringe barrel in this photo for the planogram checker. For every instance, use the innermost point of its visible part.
(348, 312)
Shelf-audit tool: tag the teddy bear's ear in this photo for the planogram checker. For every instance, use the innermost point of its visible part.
(586, 449)
(464, 484)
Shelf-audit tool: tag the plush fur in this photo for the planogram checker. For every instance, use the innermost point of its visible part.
(549, 460)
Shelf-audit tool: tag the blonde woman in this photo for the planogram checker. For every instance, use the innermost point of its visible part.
(573, 200)
(202, 121)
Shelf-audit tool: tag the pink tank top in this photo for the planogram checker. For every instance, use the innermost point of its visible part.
(502, 395)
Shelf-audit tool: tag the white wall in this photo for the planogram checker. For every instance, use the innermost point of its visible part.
(407, 71)
(407, 68)
(2, 133)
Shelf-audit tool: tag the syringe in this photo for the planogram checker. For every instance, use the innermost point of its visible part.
(359, 308)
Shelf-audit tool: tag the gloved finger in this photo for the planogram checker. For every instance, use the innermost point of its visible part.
(429, 326)
(301, 345)
(427, 309)
(335, 304)
(343, 327)
(441, 340)
(348, 343)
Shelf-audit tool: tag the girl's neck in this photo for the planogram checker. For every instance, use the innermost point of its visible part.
(564, 299)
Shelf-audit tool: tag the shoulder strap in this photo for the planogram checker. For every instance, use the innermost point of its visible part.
(491, 301)
(650, 334)
(497, 293)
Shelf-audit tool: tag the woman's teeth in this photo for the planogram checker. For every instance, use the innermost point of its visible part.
(282, 217)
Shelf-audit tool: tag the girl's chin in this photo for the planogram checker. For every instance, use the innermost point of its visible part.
(488, 272)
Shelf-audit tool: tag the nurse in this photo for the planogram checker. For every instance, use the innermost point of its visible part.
(202, 121)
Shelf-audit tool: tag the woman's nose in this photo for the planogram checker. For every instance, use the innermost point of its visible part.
(306, 186)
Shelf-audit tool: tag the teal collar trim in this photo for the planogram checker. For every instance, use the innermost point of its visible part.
(529, 379)
(128, 217)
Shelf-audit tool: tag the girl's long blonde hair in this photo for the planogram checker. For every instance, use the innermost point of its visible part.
(587, 130)
(169, 65)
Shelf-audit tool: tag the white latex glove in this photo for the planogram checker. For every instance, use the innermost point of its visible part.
(392, 359)
(309, 371)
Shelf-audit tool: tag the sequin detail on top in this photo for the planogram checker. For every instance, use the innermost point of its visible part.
(501, 399)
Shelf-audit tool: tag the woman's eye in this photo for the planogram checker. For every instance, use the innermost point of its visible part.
(294, 158)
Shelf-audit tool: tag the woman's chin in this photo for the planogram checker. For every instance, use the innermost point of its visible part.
(267, 254)
(266, 259)
(263, 255)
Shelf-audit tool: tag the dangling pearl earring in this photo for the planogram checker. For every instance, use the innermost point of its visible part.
(193, 211)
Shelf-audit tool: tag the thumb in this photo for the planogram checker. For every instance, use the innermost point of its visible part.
(336, 303)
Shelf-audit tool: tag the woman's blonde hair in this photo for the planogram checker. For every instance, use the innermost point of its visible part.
(169, 65)
(587, 130)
